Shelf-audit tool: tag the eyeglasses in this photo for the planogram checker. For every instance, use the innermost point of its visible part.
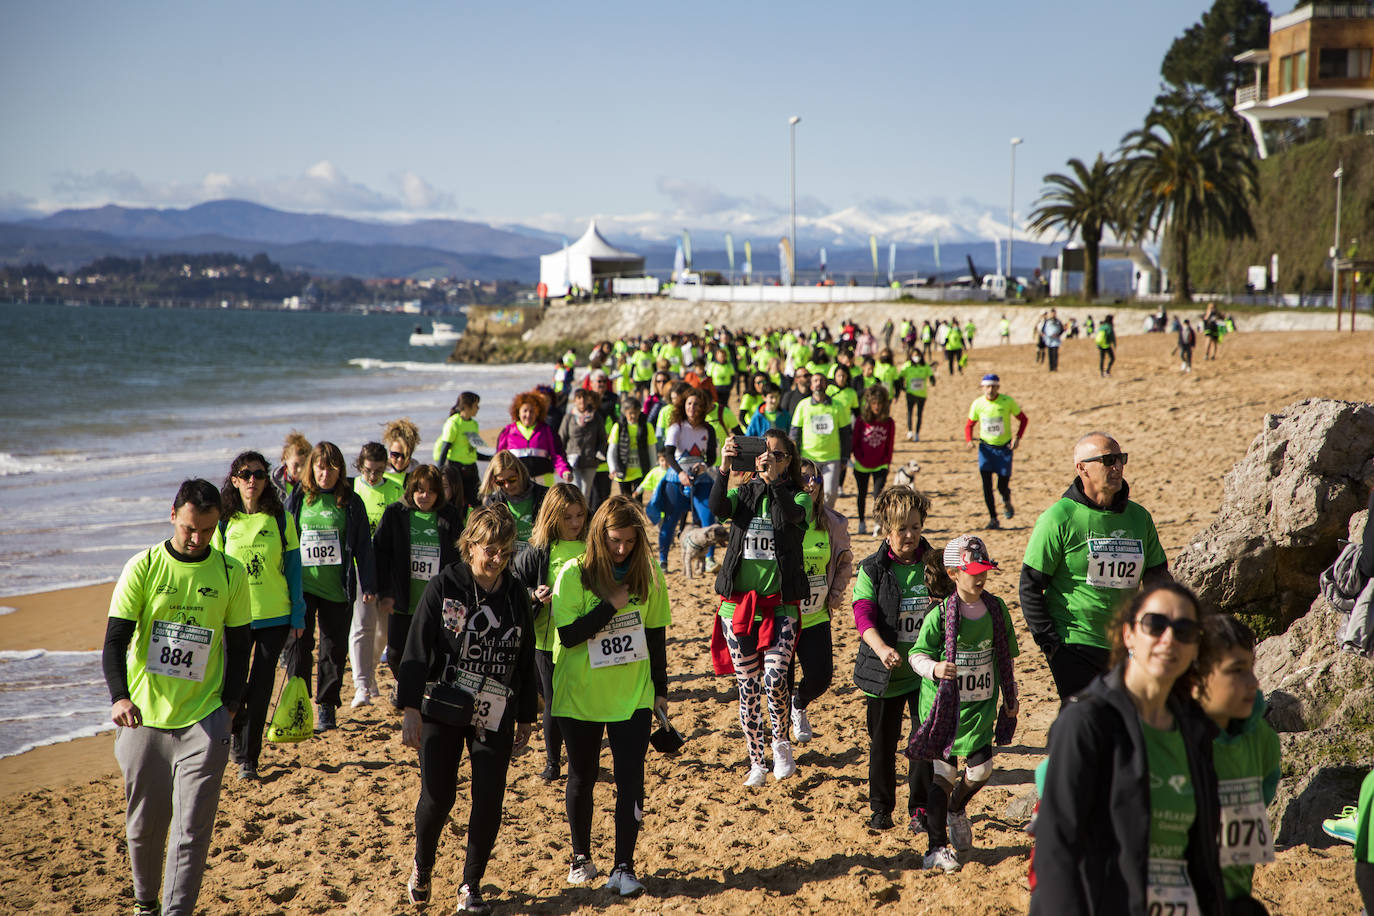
(398, 455)
(777, 455)
(251, 475)
(1186, 630)
(1110, 460)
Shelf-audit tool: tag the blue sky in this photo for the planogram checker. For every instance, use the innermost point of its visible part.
(645, 114)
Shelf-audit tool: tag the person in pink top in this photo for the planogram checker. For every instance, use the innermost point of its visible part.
(533, 441)
(874, 436)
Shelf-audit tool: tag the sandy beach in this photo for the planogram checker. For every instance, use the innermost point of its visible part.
(329, 826)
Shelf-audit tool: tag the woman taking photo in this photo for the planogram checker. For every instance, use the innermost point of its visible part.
(828, 563)
(610, 674)
(467, 679)
(256, 531)
(508, 483)
(1129, 818)
(417, 537)
(761, 585)
(557, 539)
(529, 438)
(335, 543)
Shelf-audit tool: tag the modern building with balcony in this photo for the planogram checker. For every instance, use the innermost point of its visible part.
(1317, 65)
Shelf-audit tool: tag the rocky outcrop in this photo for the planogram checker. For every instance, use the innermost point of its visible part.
(1284, 509)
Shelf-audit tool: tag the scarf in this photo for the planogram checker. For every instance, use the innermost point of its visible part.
(935, 737)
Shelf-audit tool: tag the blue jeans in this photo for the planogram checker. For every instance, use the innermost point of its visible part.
(679, 500)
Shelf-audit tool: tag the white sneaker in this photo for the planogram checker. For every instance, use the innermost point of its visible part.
(910, 436)
(758, 776)
(783, 764)
(960, 830)
(581, 870)
(801, 726)
(361, 697)
(710, 565)
(943, 858)
(863, 528)
(624, 882)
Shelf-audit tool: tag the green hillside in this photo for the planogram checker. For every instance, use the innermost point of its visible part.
(1295, 217)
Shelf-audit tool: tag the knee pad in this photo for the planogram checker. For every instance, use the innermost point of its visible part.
(945, 772)
(981, 773)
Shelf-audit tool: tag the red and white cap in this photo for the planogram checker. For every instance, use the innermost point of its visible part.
(968, 553)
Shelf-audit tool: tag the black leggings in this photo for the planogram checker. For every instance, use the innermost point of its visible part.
(816, 654)
(1106, 357)
(952, 356)
(945, 797)
(861, 481)
(441, 750)
(334, 619)
(1073, 668)
(251, 718)
(629, 742)
(397, 631)
(885, 720)
(1003, 487)
(553, 738)
(471, 484)
(919, 402)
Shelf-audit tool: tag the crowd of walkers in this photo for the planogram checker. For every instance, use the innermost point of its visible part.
(537, 593)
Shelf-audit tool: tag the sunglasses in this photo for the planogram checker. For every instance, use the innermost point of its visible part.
(251, 475)
(1186, 630)
(1109, 460)
(398, 455)
(811, 479)
(776, 455)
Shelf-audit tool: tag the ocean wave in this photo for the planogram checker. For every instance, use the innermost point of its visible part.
(25, 655)
(7, 610)
(368, 363)
(84, 731)
(85, 712)
(10, 466)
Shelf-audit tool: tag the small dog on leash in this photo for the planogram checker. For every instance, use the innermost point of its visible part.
(905, 476)
(694, 543)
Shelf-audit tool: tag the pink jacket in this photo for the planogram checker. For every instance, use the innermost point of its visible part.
(541, 452)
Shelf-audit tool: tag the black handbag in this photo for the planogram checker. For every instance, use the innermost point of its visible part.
(447, 703)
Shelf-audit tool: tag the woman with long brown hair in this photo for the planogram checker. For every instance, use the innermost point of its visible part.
(610, 675)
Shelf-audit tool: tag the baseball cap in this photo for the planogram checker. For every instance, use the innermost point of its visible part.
(969, 554)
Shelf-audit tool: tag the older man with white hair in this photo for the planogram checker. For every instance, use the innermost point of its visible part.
(1088, 552)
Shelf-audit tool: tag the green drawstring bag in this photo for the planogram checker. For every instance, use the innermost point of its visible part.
(294, 718)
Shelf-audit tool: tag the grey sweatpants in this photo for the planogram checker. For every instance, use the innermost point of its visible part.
(172, 780)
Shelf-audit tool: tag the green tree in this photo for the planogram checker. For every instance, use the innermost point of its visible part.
(1084, 202)
(1200, 61)
(1187, 171)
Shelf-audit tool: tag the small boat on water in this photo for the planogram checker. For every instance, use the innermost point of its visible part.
(442, 334)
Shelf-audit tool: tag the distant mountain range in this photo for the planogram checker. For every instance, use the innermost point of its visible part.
(333, 245)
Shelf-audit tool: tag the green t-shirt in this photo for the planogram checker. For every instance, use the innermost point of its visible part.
(758, 565)
(887, 374)
(954, 340)
(653, 479)
(424, 553)
(180, 611)
(1364, 823)
(322, 542)
(1172, 811)
(846, 396)
(523, 510)
(1094, 559)
(979, 682)
(1248, 770)
(914, 378)
(815, 560)
(606, 678)
(722, 422)
(462, 438)
(396, 477)
(820, 426)
(722, 374)
(915, 604)
(560, 554)
(254, 541)
(642, 363)
(376, 499)
(995, 419)
(749, 404)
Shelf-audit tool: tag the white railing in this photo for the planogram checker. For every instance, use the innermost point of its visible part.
(1251, 94)
(1321, 11)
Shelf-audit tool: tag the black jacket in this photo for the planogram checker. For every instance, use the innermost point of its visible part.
(391, 547)
(1034, 582)
(498, 638)
(498, 497)
(789, 529)
(357, 540)
(1092, 835)
(870, 674)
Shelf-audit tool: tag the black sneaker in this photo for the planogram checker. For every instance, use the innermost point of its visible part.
(993, 524)
(324, 718)
(918, 822)
(549, 773)
(1011, 512)
(470, 900)
(418, 885)
(881, 820)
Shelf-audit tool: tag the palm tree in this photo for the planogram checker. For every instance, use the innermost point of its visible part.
(1187, 171)
(1085, 202)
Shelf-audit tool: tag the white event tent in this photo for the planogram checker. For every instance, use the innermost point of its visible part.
(586, 260)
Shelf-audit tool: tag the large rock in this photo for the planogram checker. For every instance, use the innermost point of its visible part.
(1284, 509)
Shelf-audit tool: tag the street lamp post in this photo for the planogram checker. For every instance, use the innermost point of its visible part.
(1336, 242)
(1011, 210)
(792, 123)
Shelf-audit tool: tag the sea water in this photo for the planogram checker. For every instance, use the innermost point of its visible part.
(104, 411)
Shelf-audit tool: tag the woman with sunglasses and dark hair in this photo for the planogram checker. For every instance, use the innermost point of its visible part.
(1089, 551)
(256, 530)
(1129, 818)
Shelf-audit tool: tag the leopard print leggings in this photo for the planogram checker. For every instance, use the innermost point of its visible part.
(760, 676)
